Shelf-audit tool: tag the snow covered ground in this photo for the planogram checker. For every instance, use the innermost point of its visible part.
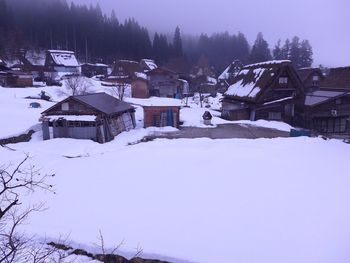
(264, 200)
(201, 200)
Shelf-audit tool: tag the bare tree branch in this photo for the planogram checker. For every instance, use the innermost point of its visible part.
(75, 85)
(15, 182)
(119, 90)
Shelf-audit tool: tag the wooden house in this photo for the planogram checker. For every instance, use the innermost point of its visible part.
(165, 83)
(33, 62)
(99, 117)
(328, 112)
(124, 70)
(62, 62)
(89, 70)
(161, 112)
(16, 79)
(311, 78)
(130, 74)
(139, 86)
(269, 90)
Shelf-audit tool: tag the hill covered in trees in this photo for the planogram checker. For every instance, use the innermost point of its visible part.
(97, 37)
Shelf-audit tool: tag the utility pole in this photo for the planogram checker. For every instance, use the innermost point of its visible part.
(86, 50)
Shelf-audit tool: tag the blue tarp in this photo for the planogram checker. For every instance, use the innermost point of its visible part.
(299, 133)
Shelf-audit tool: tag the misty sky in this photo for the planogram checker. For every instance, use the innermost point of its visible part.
(326, 23)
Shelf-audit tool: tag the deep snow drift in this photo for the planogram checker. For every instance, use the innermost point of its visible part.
(264, 200)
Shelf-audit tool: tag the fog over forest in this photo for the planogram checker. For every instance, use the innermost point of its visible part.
(324, 23)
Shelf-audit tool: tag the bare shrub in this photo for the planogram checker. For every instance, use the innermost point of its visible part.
(75, 85)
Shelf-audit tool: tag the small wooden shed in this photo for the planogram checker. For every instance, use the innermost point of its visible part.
(98, 116)
(161, 112)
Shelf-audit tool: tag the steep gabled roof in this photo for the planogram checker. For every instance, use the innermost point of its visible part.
(253, 79)
(35, 58)
(63, 58)
(306, 73)
(231, 70)
(338, 78)
(125, 69)
(148, 64)
(102, 102)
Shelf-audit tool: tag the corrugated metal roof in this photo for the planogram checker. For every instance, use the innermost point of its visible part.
(321, 96)
(104, 102)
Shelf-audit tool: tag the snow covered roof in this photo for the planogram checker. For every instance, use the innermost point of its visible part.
(231, 70)
(212, 80)
(247, 85)
(95, 65)
(155, 101)
(253, 79)
(64, 58)
(72, 117)
(61, 51)
(36, 58)
(149, 64)
(141, 75)
(268, 63)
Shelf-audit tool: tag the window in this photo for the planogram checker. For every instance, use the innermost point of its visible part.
(289, 110)
(283, 80)
(331, 125)
(338, 101)
(315, 80)
(343, 122)
(65, 106)
(275, 116)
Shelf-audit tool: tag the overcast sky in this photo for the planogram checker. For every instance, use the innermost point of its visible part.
(326, 23)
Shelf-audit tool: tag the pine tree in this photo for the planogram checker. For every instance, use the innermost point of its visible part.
(260, 51)
(306, 54)
(177, 43)
(285, 52)
(295, 52)
(277, 51)
(242, 48)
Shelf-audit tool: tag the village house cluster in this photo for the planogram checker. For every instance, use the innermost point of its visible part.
(309, 98)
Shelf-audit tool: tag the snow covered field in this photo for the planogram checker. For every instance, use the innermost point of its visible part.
(264, 200)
